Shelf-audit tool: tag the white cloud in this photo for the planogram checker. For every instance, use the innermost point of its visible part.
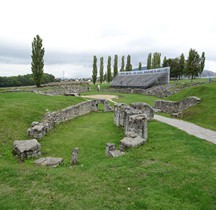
(84, 28)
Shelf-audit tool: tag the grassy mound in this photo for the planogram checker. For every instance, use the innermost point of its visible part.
(203, 114)
(172, 171)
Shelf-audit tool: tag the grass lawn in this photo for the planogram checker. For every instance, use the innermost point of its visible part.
(203, 114)
(172, 171)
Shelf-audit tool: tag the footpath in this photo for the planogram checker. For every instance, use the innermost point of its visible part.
(189, 128)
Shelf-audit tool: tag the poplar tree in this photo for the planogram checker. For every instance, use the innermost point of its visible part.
(165, 63)
(140, 66)
(122, 63)
(115, 67)
(94, 71)
(101, 70)
(128, 64)
(202, 64)
(156, 60)
(149, 61)
(109, 76)
(37, 63)
(181, 65)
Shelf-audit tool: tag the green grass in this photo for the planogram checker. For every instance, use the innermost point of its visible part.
(172, 171)
(204, 113)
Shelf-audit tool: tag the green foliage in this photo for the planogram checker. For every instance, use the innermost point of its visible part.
(115, 67)
(193, 64)
(37, 64)
(122, 63)
(181, 65)
(202, 64)
(109, 74)
(149, 61)
(165, 63)
(94, 71)
(101, 70)
(128, 64)
(24, 80)
(156, 60)
(140, 66)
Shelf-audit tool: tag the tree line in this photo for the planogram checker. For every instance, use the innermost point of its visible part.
(191, 67)
(24, 80)
(107, 75)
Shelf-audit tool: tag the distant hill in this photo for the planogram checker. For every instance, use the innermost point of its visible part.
(207, 73)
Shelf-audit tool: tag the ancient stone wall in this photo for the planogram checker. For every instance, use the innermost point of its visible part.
(38, 130)
(131, 119)
(63, 90)
(176, 106)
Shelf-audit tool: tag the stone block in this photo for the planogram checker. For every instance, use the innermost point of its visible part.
(25, 149)
(49, 161)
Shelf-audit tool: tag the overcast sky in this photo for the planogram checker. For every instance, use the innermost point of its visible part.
(75, 30)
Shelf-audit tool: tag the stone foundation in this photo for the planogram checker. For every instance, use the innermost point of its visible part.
(38, 130)
(176, 106)
(25, 149)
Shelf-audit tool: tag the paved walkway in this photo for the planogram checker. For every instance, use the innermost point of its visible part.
(190, 128)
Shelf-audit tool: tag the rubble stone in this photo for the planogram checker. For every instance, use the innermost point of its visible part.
(49, 161)
(25, 149)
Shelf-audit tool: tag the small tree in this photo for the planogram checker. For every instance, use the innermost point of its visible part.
(94, 71)
(122, 64)
(115, 67)
(101, 70)
(140, 66)
(128, 64)
(109, 75)
(37, 64)
(149, 61)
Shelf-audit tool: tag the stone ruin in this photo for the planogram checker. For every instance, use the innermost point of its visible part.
(67, 90)
(133, 119)
(49, 161)
(24, 149)
(175, 108)
(38, 130)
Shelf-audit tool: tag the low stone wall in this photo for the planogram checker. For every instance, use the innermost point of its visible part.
(63, 90)
(38, 130)
(144, 108)
(176, 106)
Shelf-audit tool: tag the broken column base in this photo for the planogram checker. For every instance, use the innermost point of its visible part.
(111, 150)
(131, 140)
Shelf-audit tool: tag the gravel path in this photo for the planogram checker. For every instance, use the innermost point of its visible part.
(190, 128)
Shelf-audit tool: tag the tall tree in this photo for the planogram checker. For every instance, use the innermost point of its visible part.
(181, 65)
(202, 64)
(101, 69)
(193, 64)
(140, 66)
(156, 60)
(115, 67)
(37, 64)
(128, 64)
(165, 63)
(149, 61)
(109, 74)
(94, 71)
(122, 63)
